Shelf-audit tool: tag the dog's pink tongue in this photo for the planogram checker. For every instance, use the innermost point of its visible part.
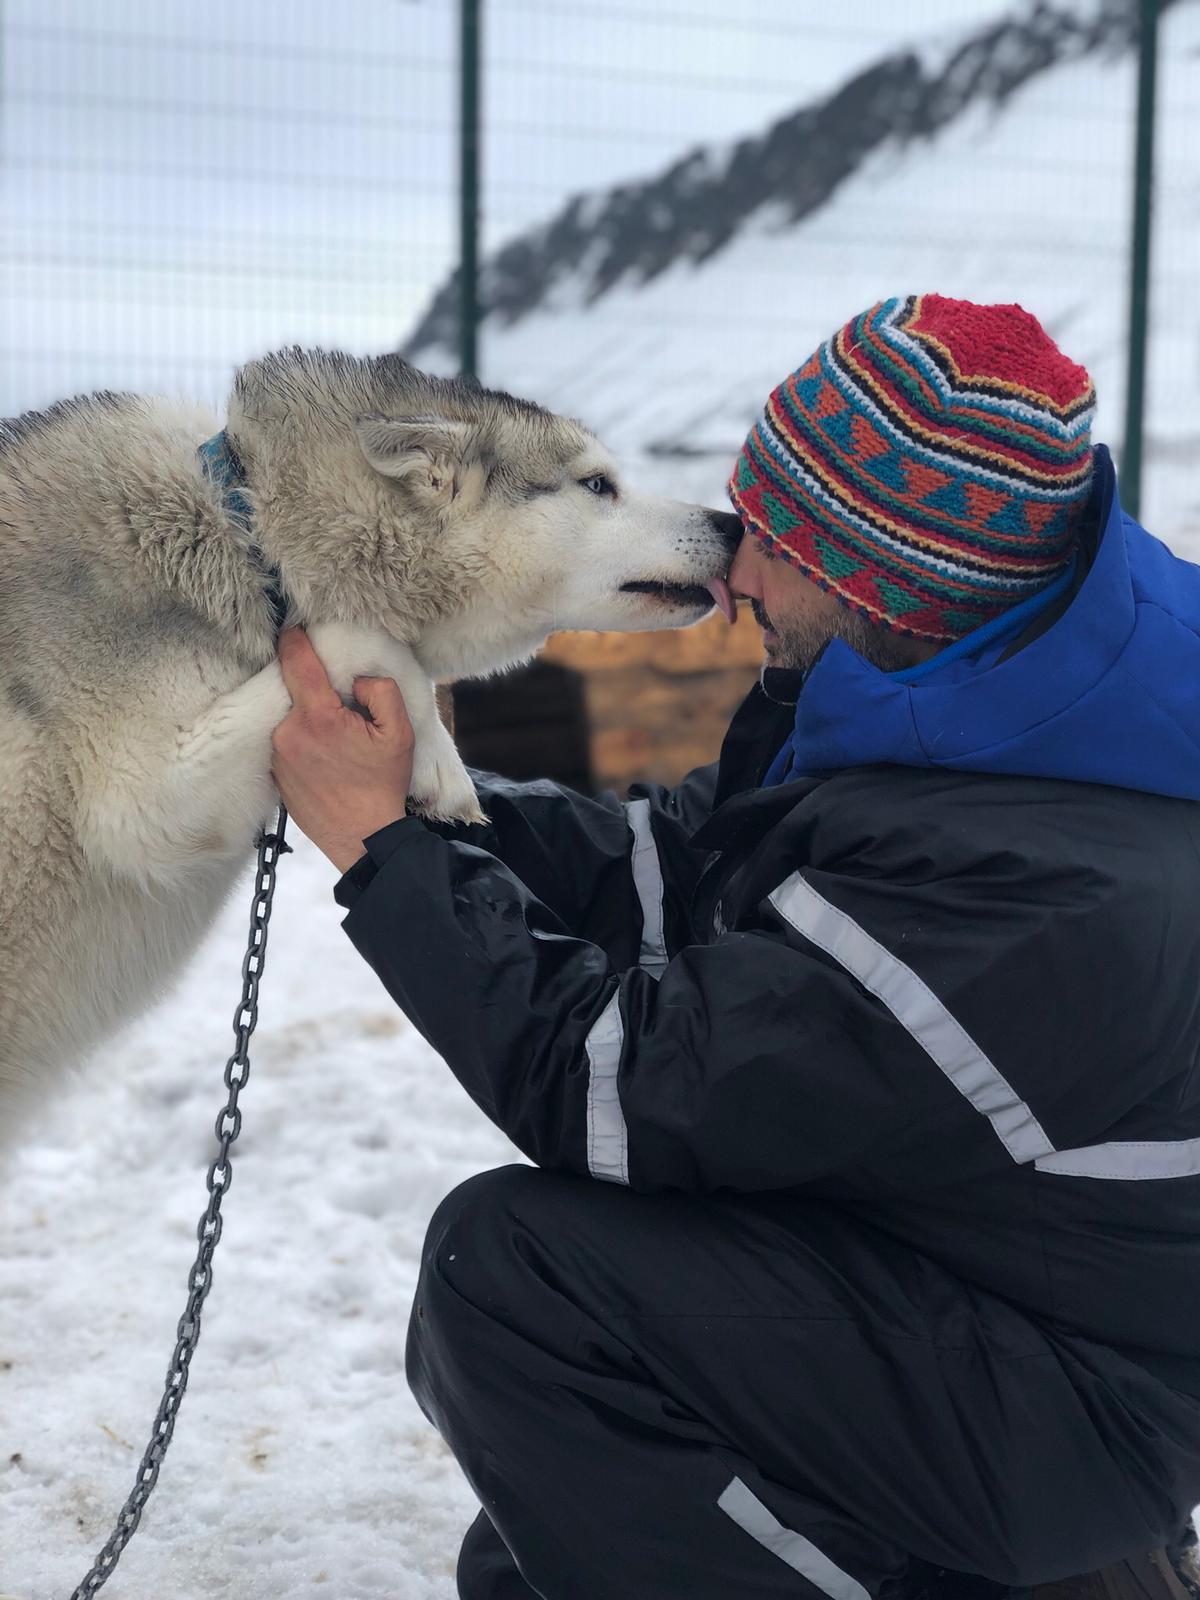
(723, 595)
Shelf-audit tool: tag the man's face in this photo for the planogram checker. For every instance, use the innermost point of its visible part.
(799, 619)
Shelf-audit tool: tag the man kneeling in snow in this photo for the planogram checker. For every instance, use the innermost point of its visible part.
(882, 1035)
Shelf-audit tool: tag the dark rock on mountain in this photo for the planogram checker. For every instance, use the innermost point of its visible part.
(697, 205)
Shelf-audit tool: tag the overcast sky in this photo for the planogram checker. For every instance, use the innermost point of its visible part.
(183, 186)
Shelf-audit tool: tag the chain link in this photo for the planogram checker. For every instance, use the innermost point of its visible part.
(208, 1231)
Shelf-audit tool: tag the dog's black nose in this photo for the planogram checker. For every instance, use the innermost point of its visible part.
(728, 526)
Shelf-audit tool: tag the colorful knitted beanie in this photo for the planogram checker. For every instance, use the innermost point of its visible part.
(927, 465)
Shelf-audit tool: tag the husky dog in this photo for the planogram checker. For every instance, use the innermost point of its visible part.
(420, 528)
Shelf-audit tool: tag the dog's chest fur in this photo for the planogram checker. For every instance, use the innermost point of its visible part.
(108, 533)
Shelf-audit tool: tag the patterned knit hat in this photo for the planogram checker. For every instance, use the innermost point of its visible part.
(927, 466)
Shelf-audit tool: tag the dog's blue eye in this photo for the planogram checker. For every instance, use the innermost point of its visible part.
(599, 484)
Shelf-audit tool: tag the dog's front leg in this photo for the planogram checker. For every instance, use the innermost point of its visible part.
(441, 787)
(170, 799)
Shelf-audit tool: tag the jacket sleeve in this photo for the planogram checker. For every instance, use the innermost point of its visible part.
(620, 875)
(755, 1062)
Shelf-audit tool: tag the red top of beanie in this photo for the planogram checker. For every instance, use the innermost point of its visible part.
(1004, 343)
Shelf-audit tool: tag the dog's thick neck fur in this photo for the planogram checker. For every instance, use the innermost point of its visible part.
(105, 492)
(320, 511)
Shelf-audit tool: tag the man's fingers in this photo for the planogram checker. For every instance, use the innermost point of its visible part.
(382, 699)
(303, 675)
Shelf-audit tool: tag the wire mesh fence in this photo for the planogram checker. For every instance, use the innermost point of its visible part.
(1171, 497)
(184, 190)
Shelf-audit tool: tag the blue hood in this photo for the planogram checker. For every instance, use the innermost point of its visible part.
(1109, 693)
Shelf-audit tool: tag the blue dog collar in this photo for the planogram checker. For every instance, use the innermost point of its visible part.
(225, 471)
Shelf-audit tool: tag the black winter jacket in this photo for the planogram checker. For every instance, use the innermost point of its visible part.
(965, 1006)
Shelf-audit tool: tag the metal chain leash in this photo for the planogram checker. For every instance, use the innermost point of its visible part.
(229, 1124)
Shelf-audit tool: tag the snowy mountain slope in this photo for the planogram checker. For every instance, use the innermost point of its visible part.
(696, 207)
(998, 172)
(301, 1465)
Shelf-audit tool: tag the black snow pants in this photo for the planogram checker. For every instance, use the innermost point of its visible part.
(740, 1397)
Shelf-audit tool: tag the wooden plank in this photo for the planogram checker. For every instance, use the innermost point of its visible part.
(661, 705)
(701, 648)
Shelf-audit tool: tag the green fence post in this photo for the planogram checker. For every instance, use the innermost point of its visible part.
(468, 190)
(1139, 268)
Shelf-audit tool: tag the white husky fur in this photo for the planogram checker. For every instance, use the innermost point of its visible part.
(424, 529)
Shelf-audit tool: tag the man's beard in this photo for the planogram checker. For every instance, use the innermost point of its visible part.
(800, 642)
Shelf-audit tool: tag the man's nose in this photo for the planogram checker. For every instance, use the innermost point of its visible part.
(744, 577)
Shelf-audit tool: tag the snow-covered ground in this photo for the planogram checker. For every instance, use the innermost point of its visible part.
(301, 1465)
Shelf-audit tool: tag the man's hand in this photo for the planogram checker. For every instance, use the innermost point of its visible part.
(341, 776)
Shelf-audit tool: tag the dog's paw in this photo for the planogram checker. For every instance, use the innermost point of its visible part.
(444, 810)
(441, 789)
(448, 805)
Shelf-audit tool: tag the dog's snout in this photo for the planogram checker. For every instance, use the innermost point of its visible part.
(729, 526)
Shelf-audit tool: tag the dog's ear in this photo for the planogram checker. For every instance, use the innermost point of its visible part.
(427, 453)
